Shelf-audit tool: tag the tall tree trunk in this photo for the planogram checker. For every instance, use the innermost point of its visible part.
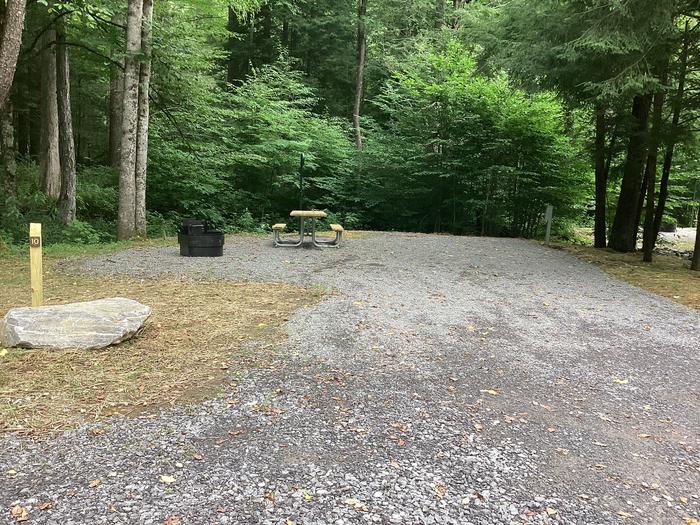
(8, 149)
(623, 237)
(143, 118)
(360, 74)
(13, 13)
(49, 159)
(657, 114)
(127, 157)
(116, 99)
(65, 127)
(601, 180)
(640, 202)
(695, 264)
(676, 104)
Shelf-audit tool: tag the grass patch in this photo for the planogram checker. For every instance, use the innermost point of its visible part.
(199, 335)
(668, 275)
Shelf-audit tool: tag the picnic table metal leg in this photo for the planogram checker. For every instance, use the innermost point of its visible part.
(320, 244)
(294, 242)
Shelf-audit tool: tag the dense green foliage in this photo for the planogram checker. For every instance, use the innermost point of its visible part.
(476, 115)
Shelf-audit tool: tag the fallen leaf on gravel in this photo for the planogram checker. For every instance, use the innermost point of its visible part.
(395, 465)
(356, 504)
(94, 483)
(307, 496)
(621, 381)
(683, 500)
(490, 391)
(172, 520)
(624, 514)
(97, 431)
(19, 513)
(550, 511)
(400, 425)
(289, 522)
(167, 479)
(270, 496)
(440, 490)
(46, 505)
(478, 427)
(11, 473)
(599, 444)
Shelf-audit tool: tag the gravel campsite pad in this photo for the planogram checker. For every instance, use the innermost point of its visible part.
(443, 380)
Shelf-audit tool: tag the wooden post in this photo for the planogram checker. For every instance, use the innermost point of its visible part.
(548, 217)
(36, 264)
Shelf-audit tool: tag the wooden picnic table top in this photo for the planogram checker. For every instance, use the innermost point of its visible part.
(314, 214)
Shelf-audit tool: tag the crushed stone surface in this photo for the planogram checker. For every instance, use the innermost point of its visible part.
(442, 380)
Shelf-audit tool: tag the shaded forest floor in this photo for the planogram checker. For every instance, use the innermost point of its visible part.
(668, 276)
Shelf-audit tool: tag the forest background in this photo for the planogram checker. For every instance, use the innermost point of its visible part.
(119, 118)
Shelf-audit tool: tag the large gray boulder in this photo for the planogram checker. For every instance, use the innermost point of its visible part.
(91, 324)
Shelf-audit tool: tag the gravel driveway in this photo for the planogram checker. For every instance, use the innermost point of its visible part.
(446, 380)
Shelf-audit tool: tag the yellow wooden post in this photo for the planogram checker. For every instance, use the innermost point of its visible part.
(36, 264)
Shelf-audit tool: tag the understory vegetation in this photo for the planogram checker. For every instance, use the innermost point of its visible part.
(466, 117)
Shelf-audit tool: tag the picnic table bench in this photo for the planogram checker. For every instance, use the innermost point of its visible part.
(302, 215)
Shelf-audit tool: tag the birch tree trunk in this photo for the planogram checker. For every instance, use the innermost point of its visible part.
(127, 156)
(13, 13)
(8, 149)
(116, 99)
(65, 127)
(143, 118)
(49, 160)
(360, 74)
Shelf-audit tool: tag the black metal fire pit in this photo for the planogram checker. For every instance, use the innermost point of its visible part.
(196, 240)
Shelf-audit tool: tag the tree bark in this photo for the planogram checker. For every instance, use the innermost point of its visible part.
(649, 240)
(116, 98)
(601, 180)
(8, 148)
(65, 127)
(14, 12)
(695, 264)
(623, 237)
(127, 157)
(49, 159)
(676, 104)
(360, 74)
(143, 118)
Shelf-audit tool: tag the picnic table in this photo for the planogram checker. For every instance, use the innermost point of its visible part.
(302, 215)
